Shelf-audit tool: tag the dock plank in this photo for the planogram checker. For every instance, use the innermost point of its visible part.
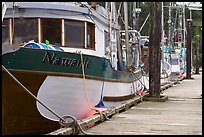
(181, 114)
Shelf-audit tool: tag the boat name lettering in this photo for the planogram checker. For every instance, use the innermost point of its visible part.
(53, 59)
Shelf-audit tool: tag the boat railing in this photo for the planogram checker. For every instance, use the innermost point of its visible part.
(4, 7)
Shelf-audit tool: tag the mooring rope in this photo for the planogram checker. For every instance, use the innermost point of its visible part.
(62, 120)
(85, 88)
(130, 69)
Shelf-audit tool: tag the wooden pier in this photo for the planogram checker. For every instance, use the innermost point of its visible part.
(180, 114)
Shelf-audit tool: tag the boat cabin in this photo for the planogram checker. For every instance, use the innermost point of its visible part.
(70, 25)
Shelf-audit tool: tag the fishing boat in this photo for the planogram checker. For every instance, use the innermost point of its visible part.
(59, 58)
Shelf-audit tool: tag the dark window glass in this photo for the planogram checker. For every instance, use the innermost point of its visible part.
(74, 33)
(90, 36)
(51, 31)
(174, 61)
(106, 39)
(25, 30)
(5, 31)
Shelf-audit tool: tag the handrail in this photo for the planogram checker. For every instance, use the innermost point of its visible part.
(4, 7)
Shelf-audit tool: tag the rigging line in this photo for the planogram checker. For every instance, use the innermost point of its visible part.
(110, 32)
(144, 23)
(122, 19)
(90, 11)
(136, 76)
(33, 95)
(119, 10)
(93, 21)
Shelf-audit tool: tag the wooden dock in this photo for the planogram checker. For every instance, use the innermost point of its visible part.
(180, 114)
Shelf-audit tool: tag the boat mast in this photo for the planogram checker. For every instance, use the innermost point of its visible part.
(118, 44)
(126, 35)
(162, 37)
(110, 33)
(169, 34)
(107, 5)
(180, 34)
(108, 53)
(184, 26)
(135, 15)
(184, 39)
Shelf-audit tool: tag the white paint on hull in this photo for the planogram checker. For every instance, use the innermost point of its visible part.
(175, 68)
(67, 96)
(145, 81)
(123, 89)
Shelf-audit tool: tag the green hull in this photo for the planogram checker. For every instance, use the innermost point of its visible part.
(64, 63)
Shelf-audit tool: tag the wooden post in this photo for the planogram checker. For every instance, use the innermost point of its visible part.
(119, 52)
(197, 55)
(188, 48)
(154, 49)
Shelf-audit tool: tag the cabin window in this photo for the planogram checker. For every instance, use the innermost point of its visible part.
(25, 30)
(74, 33)
(51, 31)
(5, 31)
(174, 61)
(106, 39)
(90, 36)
